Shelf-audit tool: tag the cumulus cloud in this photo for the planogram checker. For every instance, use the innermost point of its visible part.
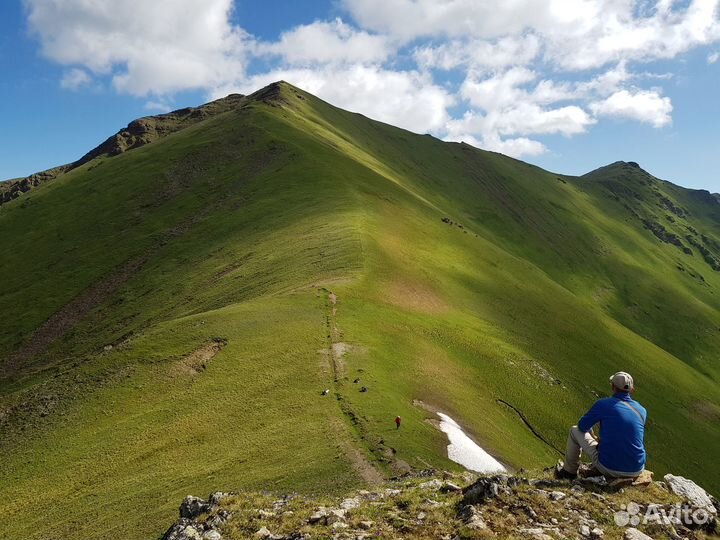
(574, 34)
(408, 99)
(75, 78)
(145, 47)
(328, 42)
(642, 105)
(496, 74)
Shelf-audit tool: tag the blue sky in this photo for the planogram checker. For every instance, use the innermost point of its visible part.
(569, 85)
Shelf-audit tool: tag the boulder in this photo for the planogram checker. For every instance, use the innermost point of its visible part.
(633, 534)
(183, 529)
(488, 488)
(691, 492)
(192, 507)
(216, 497)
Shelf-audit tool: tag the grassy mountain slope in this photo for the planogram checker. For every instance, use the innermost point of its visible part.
(171, 314)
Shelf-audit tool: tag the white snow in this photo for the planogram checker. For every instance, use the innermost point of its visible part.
(463, 450)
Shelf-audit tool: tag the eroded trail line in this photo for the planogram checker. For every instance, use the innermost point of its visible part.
(530, 426)
(335, 350)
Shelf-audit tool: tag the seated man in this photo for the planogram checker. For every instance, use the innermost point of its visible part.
(620, 451)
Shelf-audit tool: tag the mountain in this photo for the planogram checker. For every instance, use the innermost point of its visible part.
(174, 306)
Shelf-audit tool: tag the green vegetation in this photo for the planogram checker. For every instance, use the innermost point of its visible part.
(463, 279)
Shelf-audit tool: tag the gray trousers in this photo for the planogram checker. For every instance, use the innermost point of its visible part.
(580, 443)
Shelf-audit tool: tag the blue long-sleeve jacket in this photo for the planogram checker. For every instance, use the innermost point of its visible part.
(622, 430)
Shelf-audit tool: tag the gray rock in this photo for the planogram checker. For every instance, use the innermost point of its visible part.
(350, 503)
(689, 490)
(633, 534)
(597, 533)
(192, 507)
(336, 515)
(557, 495)
(449, 487)
(366, 525)
(585, 531)
(212, 534)
(433, 484)
(488, 488)
(265, 534)
(216, 497)
(318, 516)
(183, 529)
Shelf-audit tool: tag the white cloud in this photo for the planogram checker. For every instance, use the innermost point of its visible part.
(478, 53)
(574, 34)
(528, 68)
(74, 79)
(407, 99)
(327, 42)
(146, 47)
(641, 105)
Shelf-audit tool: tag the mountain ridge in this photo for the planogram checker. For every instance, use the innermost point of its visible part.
(327, 251)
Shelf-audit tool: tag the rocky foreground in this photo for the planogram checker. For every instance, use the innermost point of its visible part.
(431, 505)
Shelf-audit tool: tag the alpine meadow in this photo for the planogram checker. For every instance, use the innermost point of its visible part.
(175, 303)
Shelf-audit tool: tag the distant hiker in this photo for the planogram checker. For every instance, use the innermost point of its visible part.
(620, 451)
(356, 381)
(326, 392)
(364, 389)
(397, 422)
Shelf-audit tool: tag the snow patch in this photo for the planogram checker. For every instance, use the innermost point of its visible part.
(463, 450)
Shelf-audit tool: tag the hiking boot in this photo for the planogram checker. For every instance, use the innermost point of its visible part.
(562, 474)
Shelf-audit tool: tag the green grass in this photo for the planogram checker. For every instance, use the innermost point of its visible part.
(243, 223)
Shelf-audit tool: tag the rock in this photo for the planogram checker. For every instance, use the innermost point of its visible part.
(366, 525)
(632, 533)
(335, 516)
(557, 495)
(585, 531)
(421, 516)
(212, 535)
(472, 518)
(449, 487)
(318, 516)
(192, 507)
(488, 488)
(693, 493)
(216, 497)
(183, 529)
(218, 519)
(535, 533)
(264, 514)
(350, 503)
(597, 533)
(265, 534)
(433, 484)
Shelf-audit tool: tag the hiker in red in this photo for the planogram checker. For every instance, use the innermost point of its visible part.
(397, 422)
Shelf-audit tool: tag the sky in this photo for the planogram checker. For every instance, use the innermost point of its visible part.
(569, 85)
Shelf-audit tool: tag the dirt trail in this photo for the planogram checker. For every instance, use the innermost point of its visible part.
(335, 351)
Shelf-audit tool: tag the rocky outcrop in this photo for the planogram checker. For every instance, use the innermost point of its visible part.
(136, 134)
(446, 506)
(692, 493)
(188, 527)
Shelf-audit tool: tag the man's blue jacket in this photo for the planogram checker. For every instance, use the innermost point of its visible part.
(622, 429)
